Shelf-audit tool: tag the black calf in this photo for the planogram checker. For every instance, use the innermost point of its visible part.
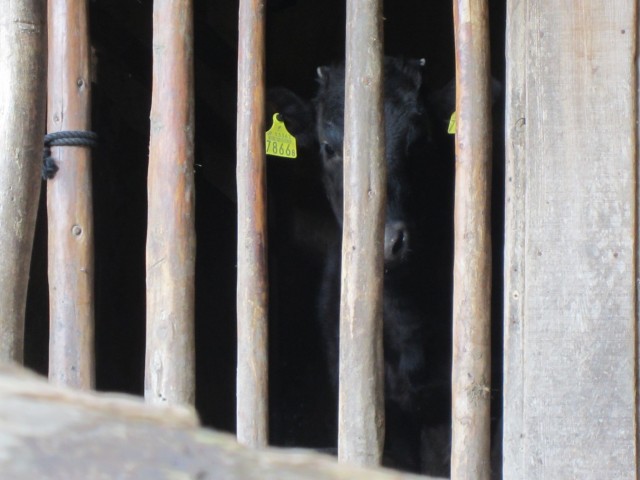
(417, 255)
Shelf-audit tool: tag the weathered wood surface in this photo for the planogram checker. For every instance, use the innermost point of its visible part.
(570, 295)
(637, 265)
(22, 125)
(515, 98)
(48, 432)
(69, 200)
(252, 292)
(361, 382)
(171, 249)
(471, 366)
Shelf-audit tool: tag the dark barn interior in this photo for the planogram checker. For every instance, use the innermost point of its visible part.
(301, 35)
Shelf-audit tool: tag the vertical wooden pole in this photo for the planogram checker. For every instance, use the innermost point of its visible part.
(471, 379)
(252, 428)
(361, 385)
(22, 123)
(170, 256)
(69, 200)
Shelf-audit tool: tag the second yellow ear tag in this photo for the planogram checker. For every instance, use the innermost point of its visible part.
(453, 125)
(279, 141)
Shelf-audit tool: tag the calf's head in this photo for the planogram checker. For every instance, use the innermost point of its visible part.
(405, 125)
(407, 144)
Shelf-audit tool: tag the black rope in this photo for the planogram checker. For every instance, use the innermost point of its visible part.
(78, 138)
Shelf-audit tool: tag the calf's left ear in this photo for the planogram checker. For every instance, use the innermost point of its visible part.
(296, 113)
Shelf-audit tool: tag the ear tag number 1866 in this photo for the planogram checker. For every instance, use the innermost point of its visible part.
(279, 141)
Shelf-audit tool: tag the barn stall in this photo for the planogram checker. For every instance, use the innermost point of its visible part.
(570, 232)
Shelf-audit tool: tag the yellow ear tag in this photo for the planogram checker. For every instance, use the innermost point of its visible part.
(279, 141)
(453, 125)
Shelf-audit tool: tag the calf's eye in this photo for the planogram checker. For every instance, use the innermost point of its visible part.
(328, 149)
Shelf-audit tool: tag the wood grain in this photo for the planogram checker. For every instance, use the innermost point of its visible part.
(361, 384)
(52, 433)
(252, 292)
(515, 102)
(22, 125)
(571, 325)
(171, 249)
(69, 200)
(471, 376)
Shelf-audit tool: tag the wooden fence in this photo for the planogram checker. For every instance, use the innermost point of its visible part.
(170, 245)
(570, 401)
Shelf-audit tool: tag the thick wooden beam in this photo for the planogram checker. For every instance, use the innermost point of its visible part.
(171, 249)
(54, 433)
(515, 234)
(252, 382)
(471, 375)
(69, 200)
(636, 147)
(571, 325)
(361, 386)
(22, 124)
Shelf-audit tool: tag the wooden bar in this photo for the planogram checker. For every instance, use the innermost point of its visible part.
(171, 241)
(471, 376)
(252, 292)
(361, 385)
(22, 125)
(69, 200)
(571, 325)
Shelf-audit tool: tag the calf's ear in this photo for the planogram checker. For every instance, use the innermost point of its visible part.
(413, 68)
(322, 75)
(296, 113)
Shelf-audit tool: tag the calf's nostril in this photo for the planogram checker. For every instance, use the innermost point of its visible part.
(396, 241)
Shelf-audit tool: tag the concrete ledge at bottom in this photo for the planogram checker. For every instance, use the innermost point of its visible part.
(49, 432)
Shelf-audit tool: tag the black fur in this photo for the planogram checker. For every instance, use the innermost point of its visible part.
(417, 330)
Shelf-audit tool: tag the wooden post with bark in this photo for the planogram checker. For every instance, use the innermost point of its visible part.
(361, 385)
(252, 292)
(22, 124)
(471, 377)
(170, 253)
(69, 200)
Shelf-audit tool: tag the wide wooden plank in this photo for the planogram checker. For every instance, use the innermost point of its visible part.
(514, 239)
(48, 432)
(637, 145)
(571, 228)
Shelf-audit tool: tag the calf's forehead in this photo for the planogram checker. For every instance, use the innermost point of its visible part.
(402, 84)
